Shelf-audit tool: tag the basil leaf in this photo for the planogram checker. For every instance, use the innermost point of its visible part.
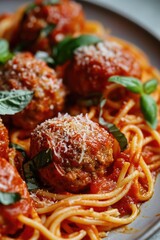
(41, 160)
(47, 30)
(150, 86)
(118, 135)
(5, 57)
(5, 54)
(65, 49)
(44, 56)
(4, 46)
(30, 175)
(18, 148)
(14, 101)
(7, 198)
(149, 110)
(131, 83)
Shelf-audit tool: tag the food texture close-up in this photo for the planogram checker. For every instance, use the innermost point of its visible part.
(79, 124)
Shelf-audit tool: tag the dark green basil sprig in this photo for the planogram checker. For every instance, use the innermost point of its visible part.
(147, 103)
(44, 56)
(14, 101)
(112, 128)
(5, 53)
(64, 50)
(31, 167)
(8, 198)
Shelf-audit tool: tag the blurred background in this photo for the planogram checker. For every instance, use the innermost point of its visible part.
(144, 12)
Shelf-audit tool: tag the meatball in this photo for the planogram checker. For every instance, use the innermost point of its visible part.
(12, 182)
(81, 152)
(91, 66)
(4, 141)
(66, 18)
(27, 73)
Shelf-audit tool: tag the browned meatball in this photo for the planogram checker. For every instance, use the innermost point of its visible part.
(67, 16)
(4, 141)
(91, 66)
(81, 151)
(12, 182)
(26, 72)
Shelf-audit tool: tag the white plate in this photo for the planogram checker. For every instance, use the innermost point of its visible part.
(148, 220)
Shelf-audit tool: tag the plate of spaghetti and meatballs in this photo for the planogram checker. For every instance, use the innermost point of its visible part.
(79, 123)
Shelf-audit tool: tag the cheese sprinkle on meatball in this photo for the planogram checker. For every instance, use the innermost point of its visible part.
(81, 152)
(91, 67)
(27, 73)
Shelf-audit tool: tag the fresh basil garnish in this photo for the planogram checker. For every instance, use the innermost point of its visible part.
(149, 110)
(147, 103)
(14, 101)
(7, 198)
(44, 56)
(31, 167)
(150, 86)
(18, 148)
(132, 84)
(4, 46)
(5, 53)
(118, 135)
(64, 50)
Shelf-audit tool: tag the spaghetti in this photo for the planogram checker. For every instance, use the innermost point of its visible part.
(112, 200)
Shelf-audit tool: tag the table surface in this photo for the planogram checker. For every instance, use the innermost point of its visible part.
(144, 12)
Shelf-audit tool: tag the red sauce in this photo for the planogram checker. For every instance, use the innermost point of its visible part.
(4, 141)
(12, 182)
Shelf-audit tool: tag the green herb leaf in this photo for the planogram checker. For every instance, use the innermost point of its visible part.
(4, 46)
(149, 110)
(150, 86)
(31, 167)
(15, 101)
(47, 30)
(7, 198)
(42, 159)
(65, 49)
(18, 148)
(112, 128)
(5, 54)
(6, 57)
(44, 56)
(131, 83)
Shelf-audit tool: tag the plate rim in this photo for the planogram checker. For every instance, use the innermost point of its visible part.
(123, 15)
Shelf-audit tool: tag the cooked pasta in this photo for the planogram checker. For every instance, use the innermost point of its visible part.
(90, 185)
